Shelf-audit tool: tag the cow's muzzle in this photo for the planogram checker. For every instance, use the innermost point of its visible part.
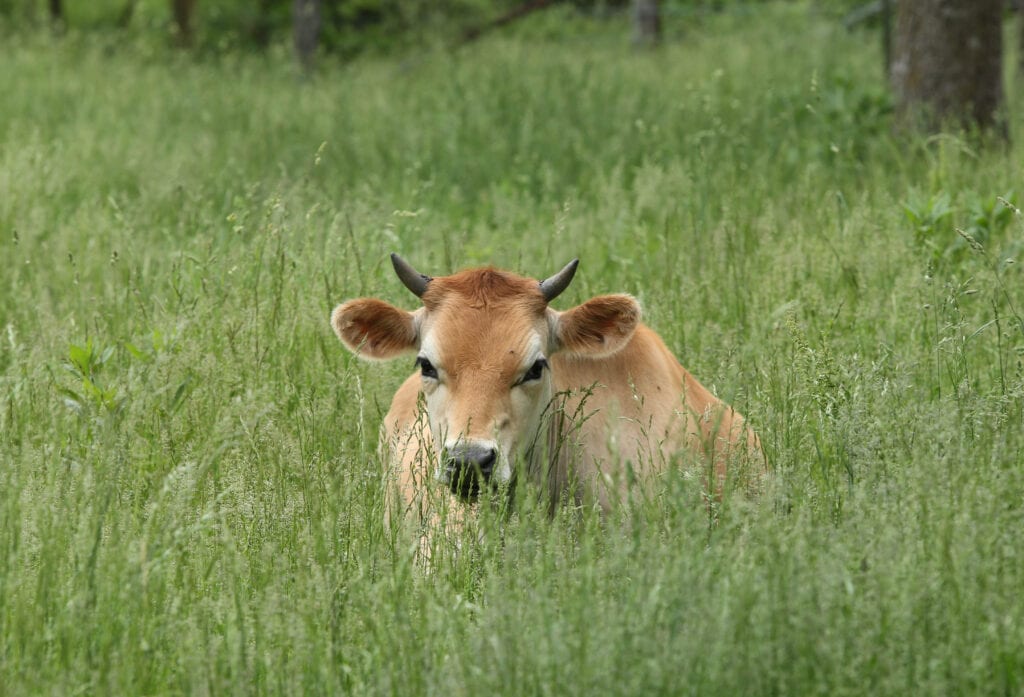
(468, 466)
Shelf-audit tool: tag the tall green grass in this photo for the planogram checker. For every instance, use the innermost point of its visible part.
(190, 495)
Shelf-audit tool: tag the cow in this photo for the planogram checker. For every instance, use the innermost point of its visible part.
(584, 403)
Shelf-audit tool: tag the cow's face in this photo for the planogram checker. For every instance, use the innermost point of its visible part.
(483, 340)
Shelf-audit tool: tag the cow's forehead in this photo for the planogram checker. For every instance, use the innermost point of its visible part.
(495, 338)
(484, 319)
(486, 288)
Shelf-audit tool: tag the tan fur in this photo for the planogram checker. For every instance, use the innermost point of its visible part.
(641, 406)
(373, 328)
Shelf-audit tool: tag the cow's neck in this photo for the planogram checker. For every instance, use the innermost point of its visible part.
(547, 460)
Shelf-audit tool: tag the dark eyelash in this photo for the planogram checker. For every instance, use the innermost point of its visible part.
(427, 368)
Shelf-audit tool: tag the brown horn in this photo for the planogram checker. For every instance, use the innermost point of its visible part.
(553, 287)
(410, 277)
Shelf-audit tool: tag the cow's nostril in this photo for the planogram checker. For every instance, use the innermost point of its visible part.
(471, 460)
(486, 462)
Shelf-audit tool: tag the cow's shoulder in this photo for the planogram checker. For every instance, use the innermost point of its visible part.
(405, 411)
(644, 362)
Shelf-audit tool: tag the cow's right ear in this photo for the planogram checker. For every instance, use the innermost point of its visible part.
(599, 327)
(372, 328)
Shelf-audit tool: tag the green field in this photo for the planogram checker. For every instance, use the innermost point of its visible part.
(190, 496)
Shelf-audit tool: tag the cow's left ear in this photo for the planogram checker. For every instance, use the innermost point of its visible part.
(599, 327)
(372, 328)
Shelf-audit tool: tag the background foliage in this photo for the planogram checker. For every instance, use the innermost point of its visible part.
(351, 27)
(189, 492)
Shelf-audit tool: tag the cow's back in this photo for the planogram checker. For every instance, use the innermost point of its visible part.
(631, 414)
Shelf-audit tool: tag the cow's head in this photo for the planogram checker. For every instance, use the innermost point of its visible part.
(483, 340)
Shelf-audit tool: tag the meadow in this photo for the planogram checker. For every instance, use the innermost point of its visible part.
(190, 495)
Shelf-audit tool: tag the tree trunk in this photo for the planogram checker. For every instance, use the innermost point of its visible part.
(1020, 47)
(887, 8)
(947, 62)
(306, 18)
(124, 18)
(182, 11)
(56, 11)
(646, 22)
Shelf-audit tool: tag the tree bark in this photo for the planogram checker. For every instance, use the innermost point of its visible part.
(887, 7)
(182, 11)
(124, 18)
(1020, 46)
(646, 22)
(306, 19)
(947, 63)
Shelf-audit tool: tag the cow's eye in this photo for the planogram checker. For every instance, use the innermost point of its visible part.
(535, 371)
(427, 368)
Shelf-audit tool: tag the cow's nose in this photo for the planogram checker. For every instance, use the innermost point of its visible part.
(466, 465)
(472, 458)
